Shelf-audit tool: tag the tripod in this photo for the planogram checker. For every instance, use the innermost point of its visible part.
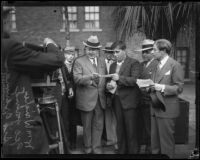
(50, 103)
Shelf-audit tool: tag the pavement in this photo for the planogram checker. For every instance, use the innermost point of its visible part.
(182, 151)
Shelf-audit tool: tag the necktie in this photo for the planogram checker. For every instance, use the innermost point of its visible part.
(93, 63)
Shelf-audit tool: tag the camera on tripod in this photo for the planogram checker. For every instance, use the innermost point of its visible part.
(42, 84)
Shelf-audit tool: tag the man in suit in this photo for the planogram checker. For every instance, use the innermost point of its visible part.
(126, 99)
(148, 67)
(169, 80)
(90, 94)
(109, 133)
(22, 127)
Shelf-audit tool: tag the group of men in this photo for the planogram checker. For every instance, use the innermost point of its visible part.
(106, 93)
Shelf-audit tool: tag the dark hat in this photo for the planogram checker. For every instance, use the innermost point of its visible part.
(146, 45)
(157, 100)
(108, 47)
(6, 10)
(92, 42)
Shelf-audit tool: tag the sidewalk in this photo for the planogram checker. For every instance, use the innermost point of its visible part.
(181, 150)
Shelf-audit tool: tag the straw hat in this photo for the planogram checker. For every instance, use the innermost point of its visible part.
(92, 42)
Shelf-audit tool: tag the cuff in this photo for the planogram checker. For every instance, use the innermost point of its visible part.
(163, 88)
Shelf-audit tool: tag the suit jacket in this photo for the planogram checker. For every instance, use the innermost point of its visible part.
(126, 85)
(147, 73)
(87, 94)
(21, 121)
(172, 75)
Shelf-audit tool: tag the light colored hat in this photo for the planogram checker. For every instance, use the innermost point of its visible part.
(108, 47)
(69, 48)
(146, 45)
(92, 42)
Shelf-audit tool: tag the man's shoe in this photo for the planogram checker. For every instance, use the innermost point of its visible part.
(88, 150)
(97, 151)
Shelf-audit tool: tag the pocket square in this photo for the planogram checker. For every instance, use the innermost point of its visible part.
(167, 73)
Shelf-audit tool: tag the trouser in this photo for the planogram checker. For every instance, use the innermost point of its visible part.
(162, 136)
(93, 127)
(126, 128)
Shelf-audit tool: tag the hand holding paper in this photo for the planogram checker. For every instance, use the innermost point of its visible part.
(144, 82)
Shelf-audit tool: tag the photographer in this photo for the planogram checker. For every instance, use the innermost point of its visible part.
(22, 128)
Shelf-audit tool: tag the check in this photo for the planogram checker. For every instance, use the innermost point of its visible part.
(106, 76)
(144, 82)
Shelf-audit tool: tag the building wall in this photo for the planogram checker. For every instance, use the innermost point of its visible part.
(36, 23)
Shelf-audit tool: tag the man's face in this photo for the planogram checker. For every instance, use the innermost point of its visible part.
(147, 55)
(92, 52)
(69, 55)
(157, 53)
(109, 56)
(119, 54)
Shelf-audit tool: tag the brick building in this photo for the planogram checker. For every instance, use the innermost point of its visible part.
(33, 24)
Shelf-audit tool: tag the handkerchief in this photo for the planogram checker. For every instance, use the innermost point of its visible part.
(167, 73)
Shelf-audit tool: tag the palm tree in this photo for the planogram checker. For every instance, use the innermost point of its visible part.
(156, 21)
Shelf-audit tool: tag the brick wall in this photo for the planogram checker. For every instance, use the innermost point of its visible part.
(36, 23)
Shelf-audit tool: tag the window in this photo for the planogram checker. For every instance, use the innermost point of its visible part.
(182, 56)
(92, 17)
(13, 20)
(72, 18)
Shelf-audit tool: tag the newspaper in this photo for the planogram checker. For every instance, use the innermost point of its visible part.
(144, 83)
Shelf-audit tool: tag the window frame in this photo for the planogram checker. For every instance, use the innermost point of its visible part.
(93, 21)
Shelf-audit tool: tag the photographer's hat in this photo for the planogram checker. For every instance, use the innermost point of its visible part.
(92, 42)
(146, 45)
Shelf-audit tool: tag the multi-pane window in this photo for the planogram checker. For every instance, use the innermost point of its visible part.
(72, 17)
(92, 17)
(182, 57)
(13, 20)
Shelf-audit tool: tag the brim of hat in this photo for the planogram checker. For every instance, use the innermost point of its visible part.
(108, 50)
(144, 49)
(91, 46)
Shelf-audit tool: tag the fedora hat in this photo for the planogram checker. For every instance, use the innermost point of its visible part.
(6, 10)
(146, 45)
(92, 42)
(108, 47)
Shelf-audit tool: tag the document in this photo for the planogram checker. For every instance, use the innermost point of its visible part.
(144, 83)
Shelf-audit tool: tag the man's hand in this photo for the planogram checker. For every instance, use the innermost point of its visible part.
(115, 77)
(109, 86)
(95, 77)
(159, 87)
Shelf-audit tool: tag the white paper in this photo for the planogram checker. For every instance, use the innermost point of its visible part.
(144, 82)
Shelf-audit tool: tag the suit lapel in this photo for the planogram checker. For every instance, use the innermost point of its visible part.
(164, 69)
(126, 61)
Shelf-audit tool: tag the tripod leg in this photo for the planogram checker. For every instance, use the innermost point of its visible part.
(60, 144)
